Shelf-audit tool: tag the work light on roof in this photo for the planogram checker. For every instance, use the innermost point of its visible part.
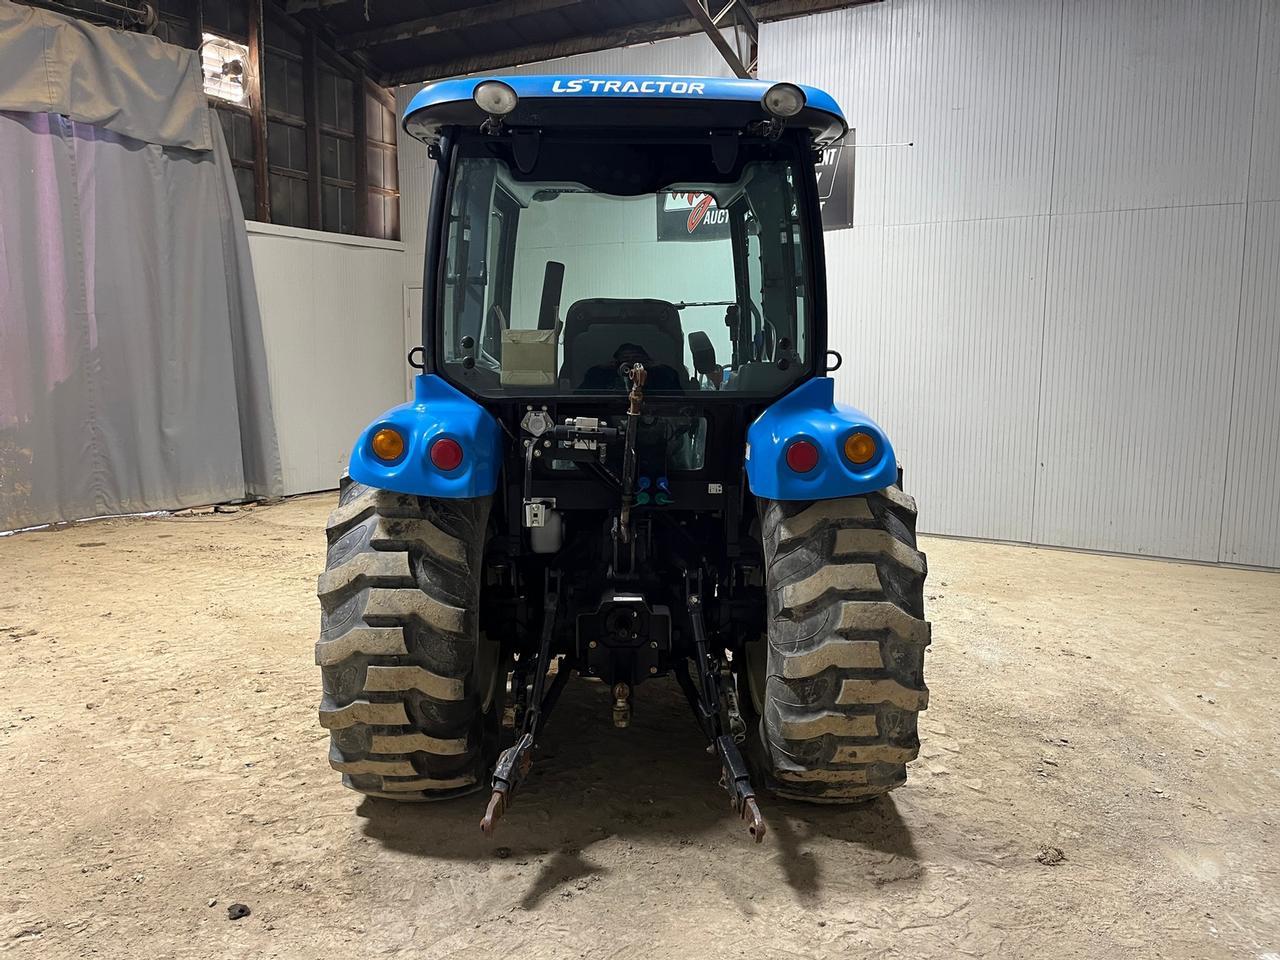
(783, 100)
(495, 98)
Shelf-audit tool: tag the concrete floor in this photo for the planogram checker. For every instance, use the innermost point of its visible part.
(1098, 779)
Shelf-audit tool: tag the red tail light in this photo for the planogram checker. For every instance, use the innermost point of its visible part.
(446, 454)
(802, 456)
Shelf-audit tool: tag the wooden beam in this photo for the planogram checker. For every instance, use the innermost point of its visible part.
(645, 32)
(296, 6)
(311, 111)
(258, 111)
(445, 22)
(361, 158)
(548, 50)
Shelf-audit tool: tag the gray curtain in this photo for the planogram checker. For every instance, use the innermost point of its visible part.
(132, 371)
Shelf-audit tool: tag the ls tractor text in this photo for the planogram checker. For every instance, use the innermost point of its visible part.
(623, 459)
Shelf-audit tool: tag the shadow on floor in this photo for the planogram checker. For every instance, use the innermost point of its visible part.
(654, 781)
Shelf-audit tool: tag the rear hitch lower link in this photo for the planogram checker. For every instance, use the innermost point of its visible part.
(514, 762)
(705, 698)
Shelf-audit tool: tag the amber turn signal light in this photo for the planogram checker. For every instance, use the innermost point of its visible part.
(860, 448)
(387, 444)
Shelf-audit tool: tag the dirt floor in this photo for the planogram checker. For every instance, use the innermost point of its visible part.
(1098, 779)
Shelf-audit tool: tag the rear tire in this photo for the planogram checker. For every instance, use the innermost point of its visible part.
(412, 698)
(844, 661)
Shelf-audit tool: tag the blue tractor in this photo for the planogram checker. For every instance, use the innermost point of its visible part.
(623, 460)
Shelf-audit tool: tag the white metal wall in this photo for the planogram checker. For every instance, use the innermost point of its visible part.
(1063, 301)
(331, 321)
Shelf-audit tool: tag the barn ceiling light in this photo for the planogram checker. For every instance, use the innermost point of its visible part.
(223, 63)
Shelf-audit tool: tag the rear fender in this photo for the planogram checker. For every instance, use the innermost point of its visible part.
(810, 413)
(437, 410)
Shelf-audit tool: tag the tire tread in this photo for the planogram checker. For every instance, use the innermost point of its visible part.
(847, 635)
(399, 604)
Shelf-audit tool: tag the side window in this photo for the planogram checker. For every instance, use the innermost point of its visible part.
(499, 251)
(776, 282)
(798, 277)
(464, 293)
(755, 284)
(502, 247)
(753, 331)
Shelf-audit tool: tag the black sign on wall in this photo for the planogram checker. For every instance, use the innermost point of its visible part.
(835, 185)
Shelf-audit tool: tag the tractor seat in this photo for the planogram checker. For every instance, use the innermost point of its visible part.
(594, 330)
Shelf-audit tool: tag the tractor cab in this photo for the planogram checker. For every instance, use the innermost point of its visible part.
(589, 224)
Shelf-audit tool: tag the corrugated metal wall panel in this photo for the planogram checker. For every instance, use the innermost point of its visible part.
(1264, 179)
(1156, 103)
(1136, 392)
(330, 315)
(1251, 513)
(959, 355)
(855, 305)
(972, 85)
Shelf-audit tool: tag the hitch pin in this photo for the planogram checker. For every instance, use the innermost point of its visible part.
(755, 822)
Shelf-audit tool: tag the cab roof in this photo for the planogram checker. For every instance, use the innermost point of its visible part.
(571, 100)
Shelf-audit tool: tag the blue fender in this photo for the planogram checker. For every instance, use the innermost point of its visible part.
(437, 410)
(810, 413)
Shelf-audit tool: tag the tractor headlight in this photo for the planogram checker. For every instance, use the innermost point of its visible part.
(495, 98)
(783, 100)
